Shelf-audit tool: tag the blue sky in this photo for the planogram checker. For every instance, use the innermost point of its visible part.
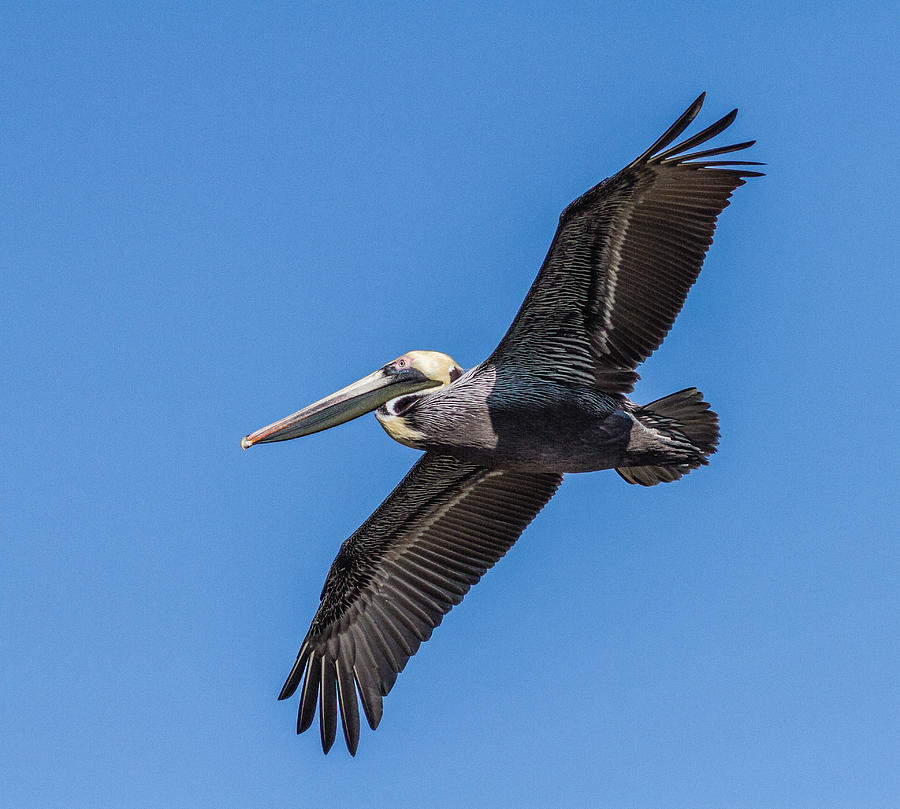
(215, 214)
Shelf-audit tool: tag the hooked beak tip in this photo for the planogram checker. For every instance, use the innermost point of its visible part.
(246, 443)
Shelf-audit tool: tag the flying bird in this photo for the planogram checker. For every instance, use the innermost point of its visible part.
(498, 438)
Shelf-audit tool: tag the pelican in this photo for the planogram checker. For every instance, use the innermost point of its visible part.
(498, 438)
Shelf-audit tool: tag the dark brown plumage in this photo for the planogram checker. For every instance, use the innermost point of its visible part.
(551, 399)
(624, 256)
(395, 578)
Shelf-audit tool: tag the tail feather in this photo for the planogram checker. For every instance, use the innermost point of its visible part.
(685, 419)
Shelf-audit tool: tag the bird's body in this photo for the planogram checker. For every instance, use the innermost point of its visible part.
(535, 425)
(538, 426)
(551, 399)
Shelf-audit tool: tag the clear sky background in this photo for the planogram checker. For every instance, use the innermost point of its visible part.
(215, 214)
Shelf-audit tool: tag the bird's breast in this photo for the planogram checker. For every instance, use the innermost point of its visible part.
(552, 429)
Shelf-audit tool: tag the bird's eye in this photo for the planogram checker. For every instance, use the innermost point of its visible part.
(401, 363)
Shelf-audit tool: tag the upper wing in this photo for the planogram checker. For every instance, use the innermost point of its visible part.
(622, 261)
(395, 578)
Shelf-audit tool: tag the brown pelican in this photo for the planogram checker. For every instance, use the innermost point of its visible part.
(498, 438)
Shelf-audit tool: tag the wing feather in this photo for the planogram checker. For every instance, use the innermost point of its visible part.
(622, 261)
(327, 702)
(347, 700)
(365, 667)
(701, 137)
(397, 576)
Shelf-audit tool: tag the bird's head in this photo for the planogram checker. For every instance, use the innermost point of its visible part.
(398, 383)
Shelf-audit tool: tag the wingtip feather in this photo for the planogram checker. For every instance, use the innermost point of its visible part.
(683, 122)
(296, 673)
(327, 705)
(704, 135)
(349, 706)
(306, 712)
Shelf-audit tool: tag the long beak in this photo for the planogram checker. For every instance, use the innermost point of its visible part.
(348, 403)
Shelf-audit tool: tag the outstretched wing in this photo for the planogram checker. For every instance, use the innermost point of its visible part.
(395, 578)
(622, 261)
